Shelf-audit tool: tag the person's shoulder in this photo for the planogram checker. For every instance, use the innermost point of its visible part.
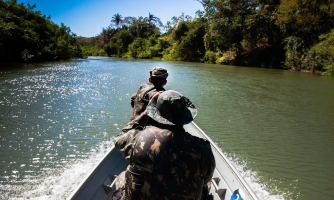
(153, 128)
(205, 147)
(156, 129)
(146, 84)
(199, 142)
(156, 132)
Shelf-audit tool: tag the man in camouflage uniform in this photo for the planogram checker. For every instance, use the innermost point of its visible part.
(165, 161)
(146, 91)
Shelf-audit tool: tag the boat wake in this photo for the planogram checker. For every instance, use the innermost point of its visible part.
(252, 180)
(59, 184)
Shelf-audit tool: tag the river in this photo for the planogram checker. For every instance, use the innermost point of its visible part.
(58, 119)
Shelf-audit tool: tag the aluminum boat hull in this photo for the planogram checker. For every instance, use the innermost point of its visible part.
(99, 184)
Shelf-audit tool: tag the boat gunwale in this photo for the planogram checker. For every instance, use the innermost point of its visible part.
(91, 174)
(228, 162)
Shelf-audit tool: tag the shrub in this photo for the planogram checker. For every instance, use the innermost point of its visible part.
(210, 57)
(138, 48)
(102, 53)
(294, 50)
(226, 57)
(323, 54)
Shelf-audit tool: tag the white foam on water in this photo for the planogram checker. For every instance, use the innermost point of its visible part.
(59, 184)
(251, 179)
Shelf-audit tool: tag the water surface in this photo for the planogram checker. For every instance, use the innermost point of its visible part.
(58, 119)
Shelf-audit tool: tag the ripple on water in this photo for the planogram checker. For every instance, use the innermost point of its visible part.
(278, 135)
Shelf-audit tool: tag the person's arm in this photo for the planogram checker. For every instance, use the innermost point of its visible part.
(210, 165)
(132, 100)
(125, 142)
(128, 136)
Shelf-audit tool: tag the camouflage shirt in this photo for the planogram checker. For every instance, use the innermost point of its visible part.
(140, 99)
(168, 163)
(125, 141)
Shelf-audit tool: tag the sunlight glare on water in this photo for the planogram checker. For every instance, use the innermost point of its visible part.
(58, 119)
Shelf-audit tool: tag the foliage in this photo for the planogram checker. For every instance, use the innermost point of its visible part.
(148, 48)
(151, 19)
(117, 19)
(88, 50)
(139, 48)
(227, 57)
(290, 34)
(322, 55)
(294, 51)
(305, 20)
(228, 22)
(263, 33)
(122, 40)
(102, 53)
(210, 57)
(188, 44)
(27, 35)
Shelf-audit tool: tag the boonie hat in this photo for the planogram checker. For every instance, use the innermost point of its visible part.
(172, 108)
(159, 72)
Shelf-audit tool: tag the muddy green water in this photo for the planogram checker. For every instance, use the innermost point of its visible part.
(58, 119)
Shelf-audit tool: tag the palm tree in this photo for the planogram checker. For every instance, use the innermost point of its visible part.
(151, 18)
(117, 19)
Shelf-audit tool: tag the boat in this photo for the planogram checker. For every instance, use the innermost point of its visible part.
(226, 184)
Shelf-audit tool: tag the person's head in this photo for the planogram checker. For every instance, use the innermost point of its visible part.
(158, 76)
(172, 108)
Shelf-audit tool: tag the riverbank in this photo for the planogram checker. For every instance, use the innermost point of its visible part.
(266, 35)
(295, 69)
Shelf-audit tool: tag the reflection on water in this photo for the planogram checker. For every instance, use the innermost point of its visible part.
(57, 119)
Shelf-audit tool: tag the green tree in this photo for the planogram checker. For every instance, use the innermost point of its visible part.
(263, 44)
(122, 40)
(188, 43)
(306, 19)
(27, 35)
(321, 56)
(117, 19)
(227, 20)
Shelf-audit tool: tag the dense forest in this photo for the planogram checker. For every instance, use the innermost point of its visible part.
(282, 34)
(287, 34)
(27, 35)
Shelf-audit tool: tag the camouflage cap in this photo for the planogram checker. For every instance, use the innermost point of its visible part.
(172, 108)
(159, 72)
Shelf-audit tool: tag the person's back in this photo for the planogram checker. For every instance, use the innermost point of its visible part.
(165, 162)
(168, 163)
(146, 91)
(140, 99)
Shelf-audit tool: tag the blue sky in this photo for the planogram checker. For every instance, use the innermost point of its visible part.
(88, 17)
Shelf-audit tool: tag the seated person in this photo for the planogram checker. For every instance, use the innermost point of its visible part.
(146, 91)
(166, 162)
